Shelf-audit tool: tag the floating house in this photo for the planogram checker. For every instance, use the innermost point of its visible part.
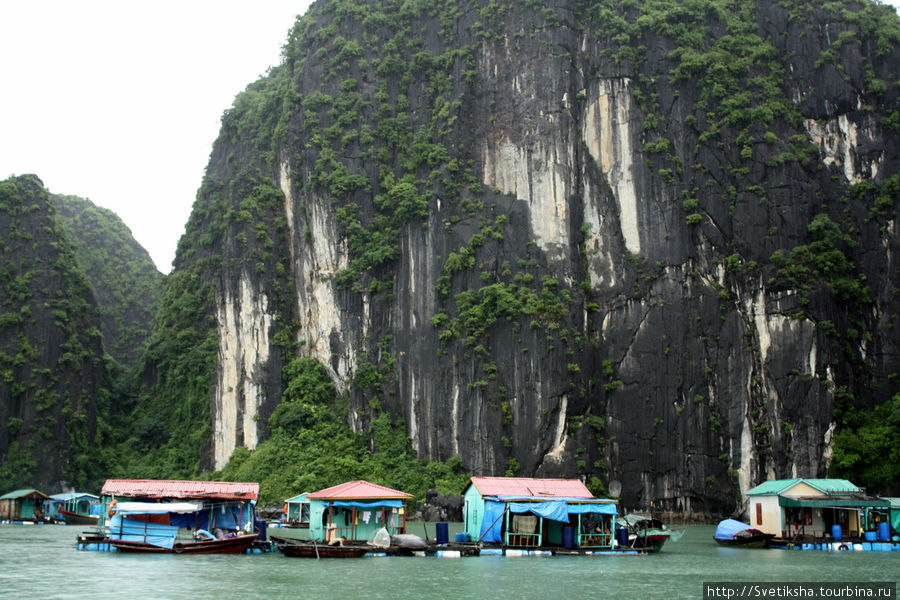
(807, 510)
(23, 505)
(145, 515)
(355, 511)
(75, 508)
(296, 512)
(538, 513)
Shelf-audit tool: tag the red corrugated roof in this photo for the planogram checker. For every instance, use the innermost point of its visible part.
(528, 486)
(161, 488)
(358, 490)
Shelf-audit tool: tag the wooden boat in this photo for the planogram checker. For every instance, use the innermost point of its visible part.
(228, 545)
(312, 549)
(74, 518)
(731, 532)
(648, 534)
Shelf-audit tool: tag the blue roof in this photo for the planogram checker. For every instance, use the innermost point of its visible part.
(70, 495)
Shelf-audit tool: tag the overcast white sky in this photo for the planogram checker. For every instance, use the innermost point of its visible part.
(119, 101)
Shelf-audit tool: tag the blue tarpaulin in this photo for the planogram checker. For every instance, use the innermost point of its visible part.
(491, 522)
(375, 504)
(131, 530)
(728, 528)
(595, 509)
(230, 516)
(557, 509)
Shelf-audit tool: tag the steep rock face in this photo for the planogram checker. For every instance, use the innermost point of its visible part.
(576, 240)
(244, 326)
(53, 379)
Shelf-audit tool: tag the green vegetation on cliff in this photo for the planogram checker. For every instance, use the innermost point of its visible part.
(124, 280)
(867, 450)
(54, 380)
(311, 447)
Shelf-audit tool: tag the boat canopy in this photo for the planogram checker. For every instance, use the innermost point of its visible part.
(728, 528)
(632, 520)
(556, 509)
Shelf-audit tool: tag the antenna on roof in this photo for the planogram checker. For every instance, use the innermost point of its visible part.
(615, 488)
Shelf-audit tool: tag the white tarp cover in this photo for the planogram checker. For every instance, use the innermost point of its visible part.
(157, 507)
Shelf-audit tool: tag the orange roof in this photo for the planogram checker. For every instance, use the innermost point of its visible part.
(358, 490)
(528, 486)
(161, 488)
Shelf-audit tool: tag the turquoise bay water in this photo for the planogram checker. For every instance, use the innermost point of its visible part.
(40, 561)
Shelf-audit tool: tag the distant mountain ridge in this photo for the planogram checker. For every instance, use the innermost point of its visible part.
(126, 283)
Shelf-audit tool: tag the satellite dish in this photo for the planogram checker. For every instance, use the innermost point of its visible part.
(615, 488)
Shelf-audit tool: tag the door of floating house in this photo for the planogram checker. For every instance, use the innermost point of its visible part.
(473, 512)
(356, 510)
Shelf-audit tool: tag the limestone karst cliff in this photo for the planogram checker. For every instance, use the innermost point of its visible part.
(646, 241)
(54, 379)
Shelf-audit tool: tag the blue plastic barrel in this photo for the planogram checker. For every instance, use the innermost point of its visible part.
(443, 533)
(261, 526)
(462, 537)
(884, 531)
(622, 536)
(837, 533)
(568, 534)
(870, 536)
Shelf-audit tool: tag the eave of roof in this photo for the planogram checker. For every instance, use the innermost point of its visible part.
(834, 502)
(358, 490)
(161, 488)
(826, 486)
(23, 493)
(531, 487)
